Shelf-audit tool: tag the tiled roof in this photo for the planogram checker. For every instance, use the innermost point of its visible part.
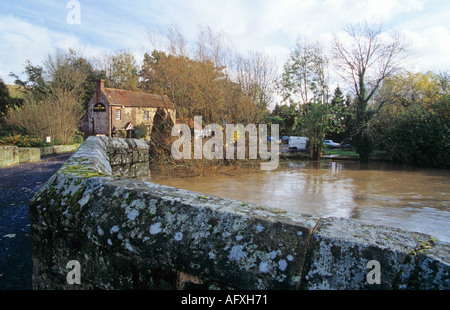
(128, 98)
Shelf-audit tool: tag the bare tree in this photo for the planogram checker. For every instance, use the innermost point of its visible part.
(120, 69)
(214, 46)
(176, 41)
(58, 116)
(305, 75)
(364, 58)
(256, 74)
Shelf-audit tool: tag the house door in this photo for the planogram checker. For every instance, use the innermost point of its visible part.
(100, 120)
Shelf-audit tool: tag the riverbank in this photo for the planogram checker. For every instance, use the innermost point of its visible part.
(335, 154)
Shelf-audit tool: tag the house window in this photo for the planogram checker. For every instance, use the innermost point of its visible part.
(118, 112)
(145, 115)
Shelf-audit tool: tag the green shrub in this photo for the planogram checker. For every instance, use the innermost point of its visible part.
(78, 137)
(420, 137)
(143, 130)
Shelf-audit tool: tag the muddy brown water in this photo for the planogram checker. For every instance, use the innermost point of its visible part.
(414, 199)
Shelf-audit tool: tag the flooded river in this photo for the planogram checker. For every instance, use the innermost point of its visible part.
(380, 193)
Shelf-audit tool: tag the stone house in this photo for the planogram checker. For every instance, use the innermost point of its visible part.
(116, 112)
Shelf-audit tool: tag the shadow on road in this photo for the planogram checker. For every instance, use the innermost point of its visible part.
(18, 184)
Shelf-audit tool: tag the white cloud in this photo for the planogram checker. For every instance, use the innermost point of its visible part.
(274, 26)
(262, 25)
(23, 41)
(431, 48)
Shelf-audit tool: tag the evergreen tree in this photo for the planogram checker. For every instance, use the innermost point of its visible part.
(341, 117)
(338, 97)
(6, 101)
(4, 98)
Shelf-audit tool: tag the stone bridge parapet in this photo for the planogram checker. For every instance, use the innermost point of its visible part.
(129, 233)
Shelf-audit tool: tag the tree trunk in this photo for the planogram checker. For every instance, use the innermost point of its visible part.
(364, 147)
(315, 153)
(364, 157)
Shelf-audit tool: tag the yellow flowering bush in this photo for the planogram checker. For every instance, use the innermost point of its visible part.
(23, 141)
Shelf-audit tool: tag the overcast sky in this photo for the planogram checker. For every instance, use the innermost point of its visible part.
(30, 29)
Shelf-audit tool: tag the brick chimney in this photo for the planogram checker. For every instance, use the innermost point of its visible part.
(99, 86)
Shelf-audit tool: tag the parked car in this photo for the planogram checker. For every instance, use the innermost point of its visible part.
(330, 144)
(297, 143)
(345, 146)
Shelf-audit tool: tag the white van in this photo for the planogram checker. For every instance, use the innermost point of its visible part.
(297, 143)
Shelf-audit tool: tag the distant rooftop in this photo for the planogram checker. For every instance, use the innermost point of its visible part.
(129, 98)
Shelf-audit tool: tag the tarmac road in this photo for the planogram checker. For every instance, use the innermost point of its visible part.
(18, 184)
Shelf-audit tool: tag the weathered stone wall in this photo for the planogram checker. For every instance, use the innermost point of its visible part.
(133, 234)
(9, 155)
(58, 149)
(128, 157)
(29, 154)
(13, 155)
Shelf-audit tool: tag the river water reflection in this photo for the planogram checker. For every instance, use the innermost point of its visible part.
(380, 193)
